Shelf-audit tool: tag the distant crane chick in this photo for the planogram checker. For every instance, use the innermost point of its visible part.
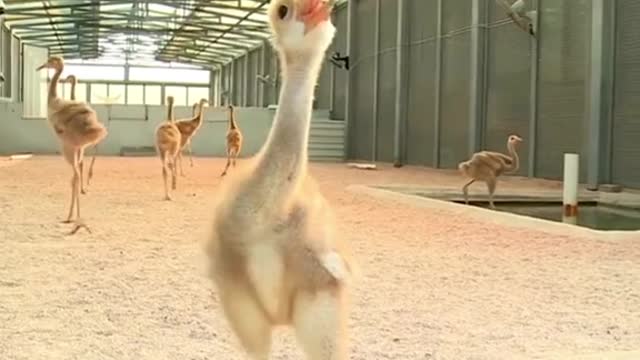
(488, 165)
(234, 140)
(188, 129)
(168, 140)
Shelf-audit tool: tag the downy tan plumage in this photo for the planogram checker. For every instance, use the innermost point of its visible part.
(234, 140)
(488, 165)
(276, 257)
(76, 125)
(168, 140)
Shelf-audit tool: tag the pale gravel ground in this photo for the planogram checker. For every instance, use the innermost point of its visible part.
(436, 284)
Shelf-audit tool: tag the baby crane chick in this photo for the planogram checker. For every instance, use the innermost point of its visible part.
(276, 258)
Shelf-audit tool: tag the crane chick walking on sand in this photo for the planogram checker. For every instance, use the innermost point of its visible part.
(488, 165)
(73, 80)
(168, 140)
(276, 257)
(76, 125)
(188, 129)
(234, 140)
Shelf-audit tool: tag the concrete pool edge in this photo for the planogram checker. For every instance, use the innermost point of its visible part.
(496, 217)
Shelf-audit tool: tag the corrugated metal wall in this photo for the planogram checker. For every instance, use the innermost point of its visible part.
(247, 90)
(321, 97)
(331, 88)
(421, 102)
(245, 79)
(338, 110)
(361, 74)
(625, 159)
(226, 84)
(455, 86)
(236, 82)
(270, 70)
(223, 84)
(508, 83)
(253, 63)
(539, 88)
(386, 104)
(240, 76)
(562, 88)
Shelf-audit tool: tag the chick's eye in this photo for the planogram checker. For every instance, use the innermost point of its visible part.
(282, 12)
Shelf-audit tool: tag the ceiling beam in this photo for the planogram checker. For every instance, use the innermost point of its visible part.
(263, 3)
(206, 31)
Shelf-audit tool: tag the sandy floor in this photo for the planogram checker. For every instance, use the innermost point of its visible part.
(436, 284)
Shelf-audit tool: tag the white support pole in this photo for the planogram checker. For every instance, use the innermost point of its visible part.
(570, 185)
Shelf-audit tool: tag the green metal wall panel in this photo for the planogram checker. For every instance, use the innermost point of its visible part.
(508, 85)
(420, 139)
(361, 141)
(238, 83)
(562, 86)
(455, 87)
(625, 160)
(386, 104)
(254, 62)
(321, 98)
(340, 78)
(270, 94)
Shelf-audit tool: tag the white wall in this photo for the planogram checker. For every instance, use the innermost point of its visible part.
(128, 126)
(134, 126)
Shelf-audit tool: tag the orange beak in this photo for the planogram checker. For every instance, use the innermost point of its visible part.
(315, 12)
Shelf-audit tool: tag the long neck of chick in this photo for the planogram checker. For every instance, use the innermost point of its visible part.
(170, 116)
(232, 119)
(197, 120)
(73, 89)
(53, 85)
(515, 165)
(283, 160)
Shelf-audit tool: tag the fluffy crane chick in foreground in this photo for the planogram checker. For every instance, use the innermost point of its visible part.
(76, 125)
(73, 80)
(275, 256)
